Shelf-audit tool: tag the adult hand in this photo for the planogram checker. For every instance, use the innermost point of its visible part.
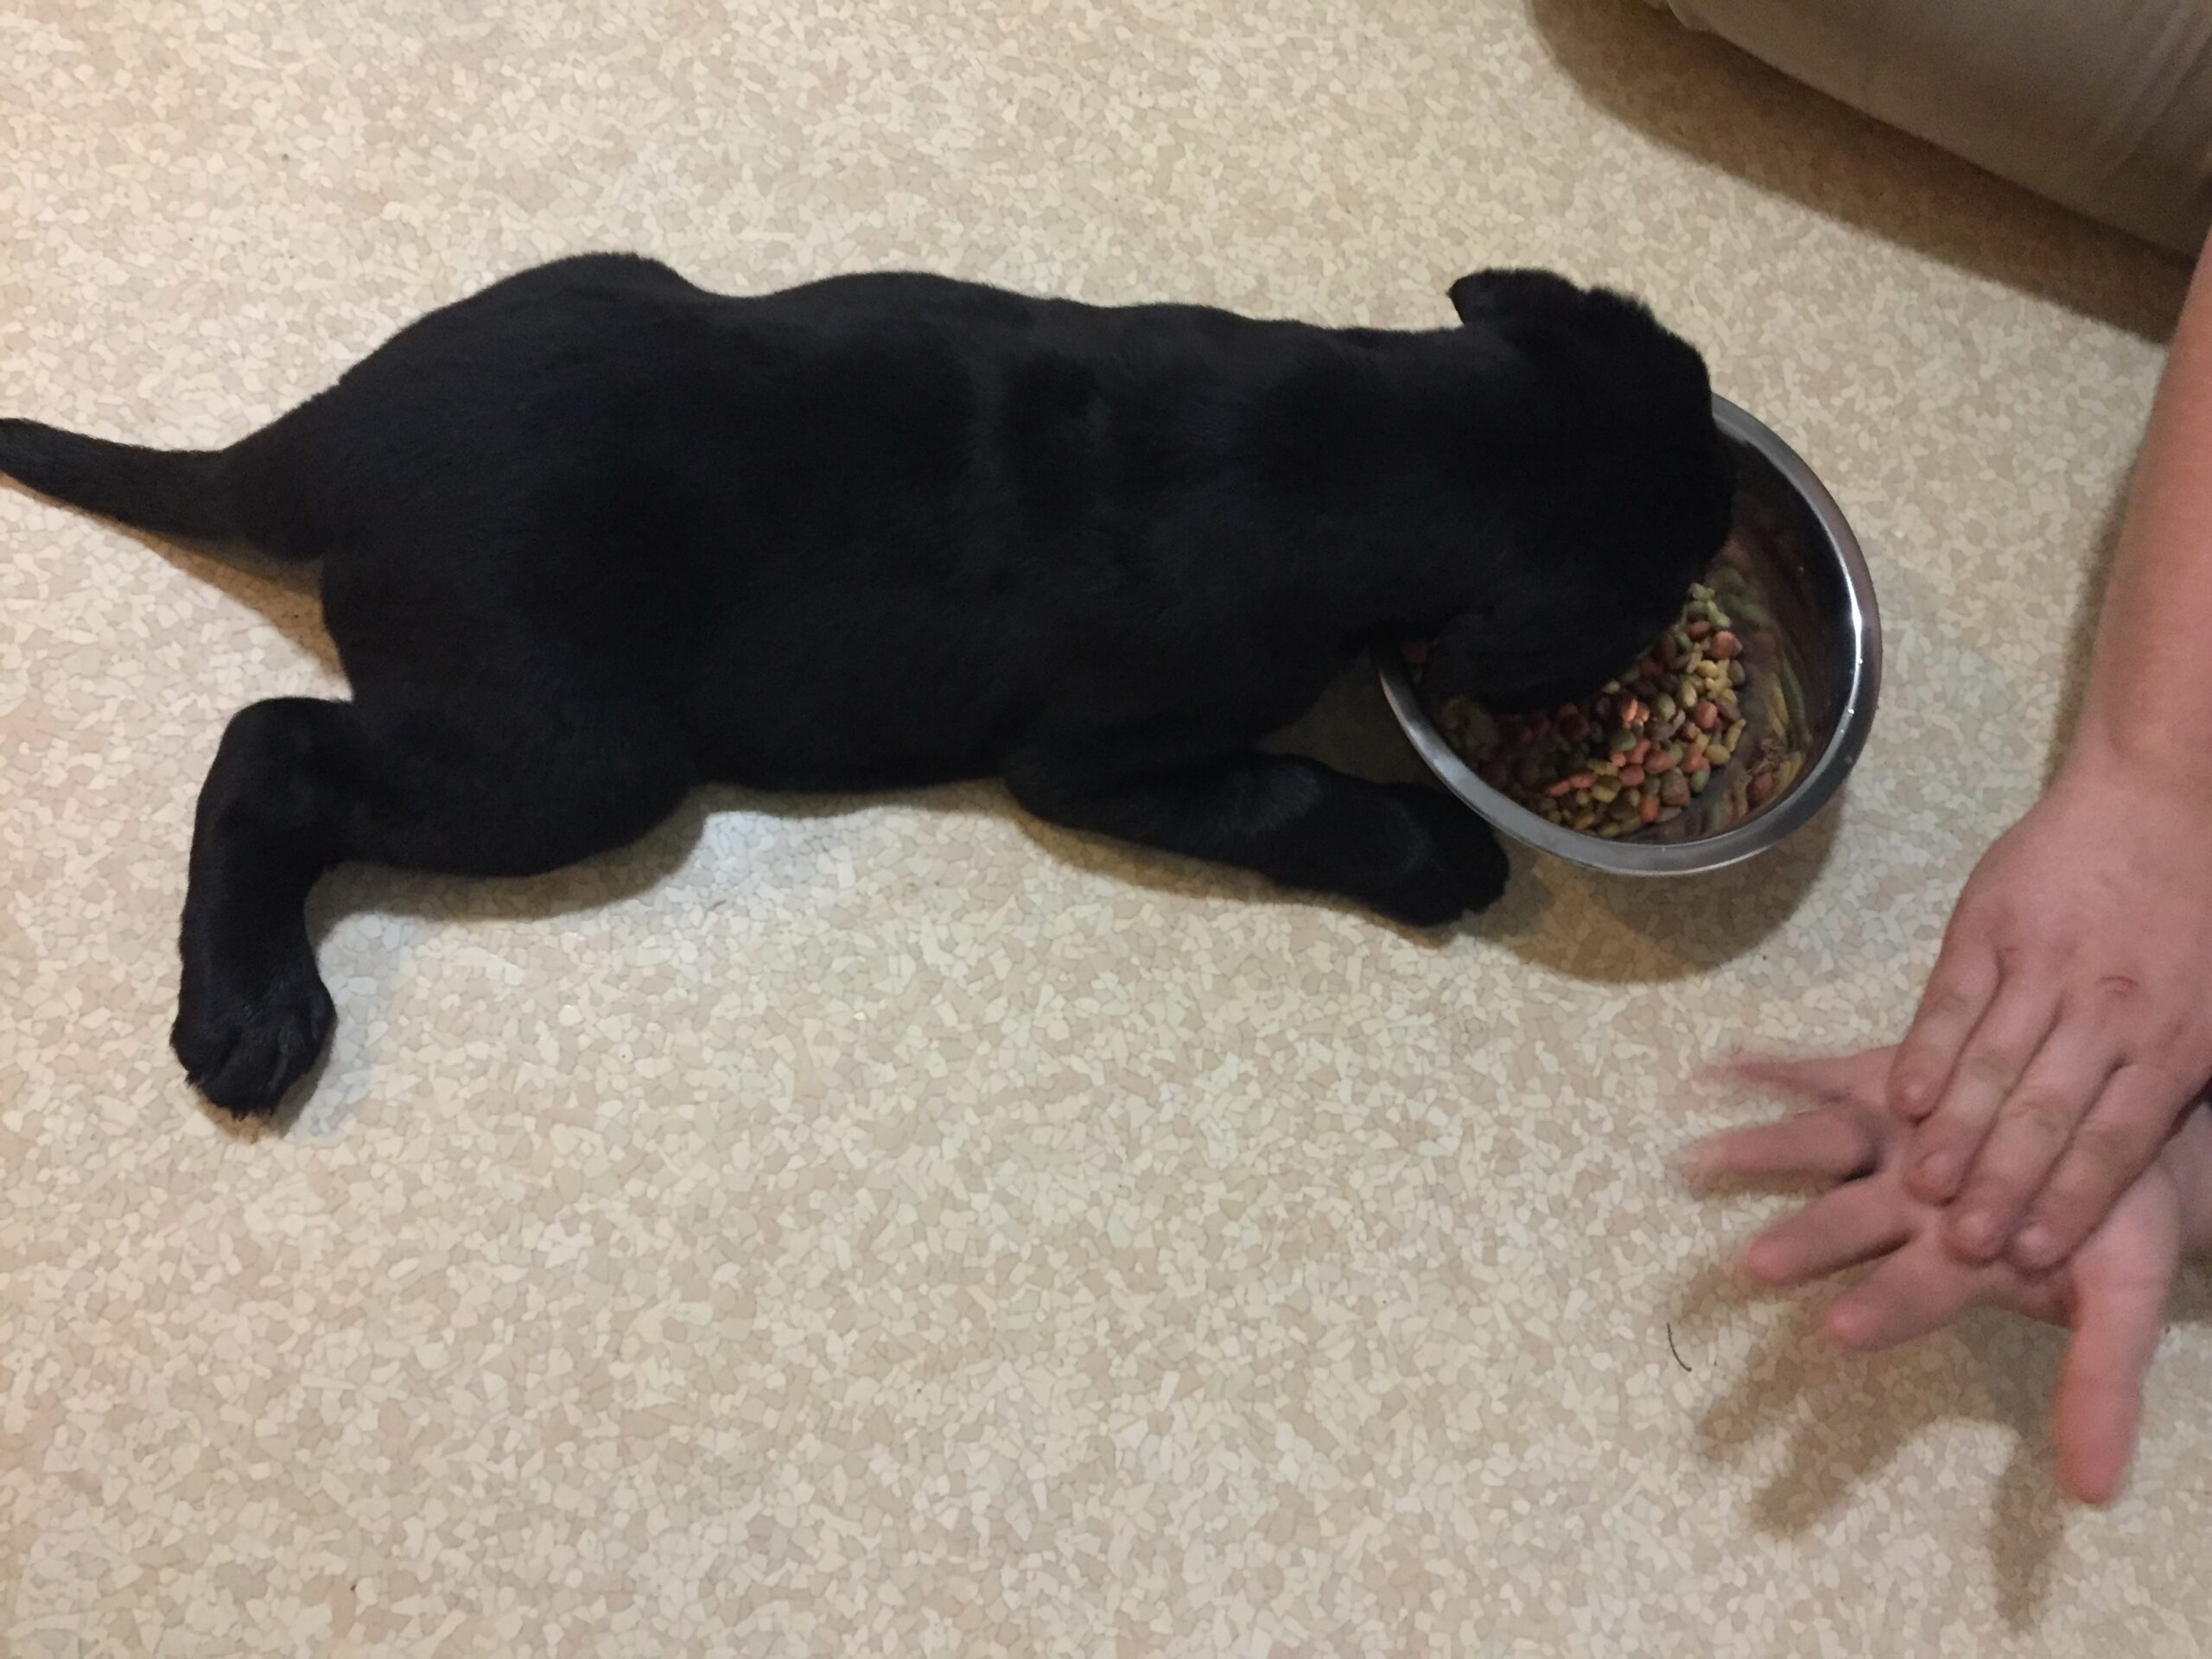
(2068, 1022)
(2112, 1294)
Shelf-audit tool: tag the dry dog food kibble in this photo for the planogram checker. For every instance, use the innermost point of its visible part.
(1647, 748)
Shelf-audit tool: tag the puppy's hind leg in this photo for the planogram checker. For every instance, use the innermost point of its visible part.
(299, 785)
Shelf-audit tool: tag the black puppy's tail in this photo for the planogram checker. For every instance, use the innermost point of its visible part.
(188, 492)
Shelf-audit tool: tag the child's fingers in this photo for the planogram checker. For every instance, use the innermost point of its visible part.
(2117, 1325)
(1838, 1229)
(1815, 1078)
(1825, 1145)
(1913, 1293)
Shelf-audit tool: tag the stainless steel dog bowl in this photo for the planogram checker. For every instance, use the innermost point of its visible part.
(1802, 556)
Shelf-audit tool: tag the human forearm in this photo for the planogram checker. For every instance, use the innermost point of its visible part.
(2150, 697)
(2068, 1024)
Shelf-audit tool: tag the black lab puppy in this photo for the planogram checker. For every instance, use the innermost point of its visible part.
(595, 536)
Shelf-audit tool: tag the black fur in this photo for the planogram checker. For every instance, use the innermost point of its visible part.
(595, 536)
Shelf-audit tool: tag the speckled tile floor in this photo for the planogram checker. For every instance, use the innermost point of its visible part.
(888, 1227)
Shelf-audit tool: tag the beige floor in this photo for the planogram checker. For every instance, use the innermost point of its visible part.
(887, 1227)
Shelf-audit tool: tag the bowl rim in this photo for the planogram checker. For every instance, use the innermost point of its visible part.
(1756, 834)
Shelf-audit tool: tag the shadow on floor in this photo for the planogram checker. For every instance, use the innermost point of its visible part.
(1847, 1418)
(288, 596)
(1699, 95)
(1655, 930)
(1675, 928)
(610, 878)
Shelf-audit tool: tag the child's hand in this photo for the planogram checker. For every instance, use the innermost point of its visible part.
(2111, 1292)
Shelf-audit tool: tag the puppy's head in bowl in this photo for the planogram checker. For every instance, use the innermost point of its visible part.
(1624, 487)
(1717, 736)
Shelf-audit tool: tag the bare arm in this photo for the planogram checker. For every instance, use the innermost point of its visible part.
(2150, 701)
(2069, 1020)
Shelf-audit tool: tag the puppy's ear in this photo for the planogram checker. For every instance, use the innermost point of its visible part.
(1483, 291)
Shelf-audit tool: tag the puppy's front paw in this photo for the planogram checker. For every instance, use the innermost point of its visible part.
(245, 1039)
(1457, 864)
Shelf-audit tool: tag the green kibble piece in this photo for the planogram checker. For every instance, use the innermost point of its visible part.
(1585, 821)
(1621, 741)
(1606, 794)
(1611, 831)
(1719, 754)
(1699, 779)
(1665, 707)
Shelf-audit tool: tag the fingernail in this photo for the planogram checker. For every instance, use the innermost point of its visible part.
(1977, 1235)
(2036, 1247)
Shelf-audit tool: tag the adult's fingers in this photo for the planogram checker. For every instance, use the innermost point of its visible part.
(2118, 1323)
(2123, 1133)
(1958, 994)
(2033, 1125)
(1996, 1056)
(1915, 1290)
(1828, 1143)
(1838, 1229)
